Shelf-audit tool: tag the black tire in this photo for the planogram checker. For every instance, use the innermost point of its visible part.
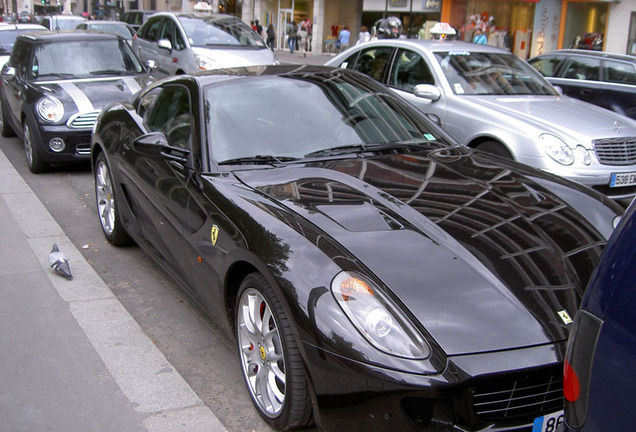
(494, 148)
(34, 161)
(107, 208)
(5, 129)
(285, 404)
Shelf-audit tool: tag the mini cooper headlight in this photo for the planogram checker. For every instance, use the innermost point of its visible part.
(557, 149)
(206, 63)
(377, 317)
(50, 109)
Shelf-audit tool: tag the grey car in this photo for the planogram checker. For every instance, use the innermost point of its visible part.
(181, 43)
(491, 100)
(604, 79)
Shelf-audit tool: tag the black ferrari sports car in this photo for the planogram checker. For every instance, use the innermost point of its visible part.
(375, 274)
(55, 84)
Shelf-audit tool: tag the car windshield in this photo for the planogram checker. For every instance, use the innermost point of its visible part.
(7, 39)
(299, 117)
(66, 23)
(120, 30)
(98, 57)
(484, 73)
(220, 31)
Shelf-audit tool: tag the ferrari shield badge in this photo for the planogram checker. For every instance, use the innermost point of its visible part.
(565, 317)
(214, 234)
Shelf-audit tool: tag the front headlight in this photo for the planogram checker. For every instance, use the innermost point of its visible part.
(50, 109)
(377, 317)
(582, 154)
(206, 63)
(557, 149)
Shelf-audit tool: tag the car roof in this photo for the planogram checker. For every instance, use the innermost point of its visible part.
(23, 26)
(434, 45)
(196, 15)
(66, 35)
(590, 53)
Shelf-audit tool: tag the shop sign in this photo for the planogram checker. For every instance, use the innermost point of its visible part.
(397, 3)
(431, 6)
(545, 30)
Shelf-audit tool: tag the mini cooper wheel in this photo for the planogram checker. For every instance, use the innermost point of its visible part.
(270, 360)
(5, 129)
(106, 205)
(34, 161)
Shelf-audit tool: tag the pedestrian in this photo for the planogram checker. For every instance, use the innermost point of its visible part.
(480, 37)
(259, 28)
(364, 35)
(271, 36)
(292, 33)
(421, 34)
(302, 39)
(343, 38)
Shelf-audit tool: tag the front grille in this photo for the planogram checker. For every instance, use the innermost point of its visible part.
(83, 150)
(526, 395)
(616, 151)
(84, 120)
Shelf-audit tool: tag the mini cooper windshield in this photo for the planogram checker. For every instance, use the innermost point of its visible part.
(287, 118)
(96, 57)
(483, 73)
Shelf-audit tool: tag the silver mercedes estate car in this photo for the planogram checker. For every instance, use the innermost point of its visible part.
(489, 99)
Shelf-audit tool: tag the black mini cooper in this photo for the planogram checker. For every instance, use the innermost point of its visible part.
(54, 86)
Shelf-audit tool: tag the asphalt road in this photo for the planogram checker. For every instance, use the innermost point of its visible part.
(204, 355)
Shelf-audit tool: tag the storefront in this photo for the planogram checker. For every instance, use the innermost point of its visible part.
(506, 23)
(414, 14)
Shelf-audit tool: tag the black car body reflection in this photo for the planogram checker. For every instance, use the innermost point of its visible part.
(375, 274)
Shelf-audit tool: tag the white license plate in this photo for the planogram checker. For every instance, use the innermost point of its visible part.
(548, 423)
(622, 180)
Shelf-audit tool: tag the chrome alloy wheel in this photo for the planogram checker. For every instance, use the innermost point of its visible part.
(261, 352)
(105, 197)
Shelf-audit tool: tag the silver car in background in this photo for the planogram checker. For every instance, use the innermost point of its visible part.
(191, 42)
(491, 100)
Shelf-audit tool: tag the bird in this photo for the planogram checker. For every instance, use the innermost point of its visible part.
(59, 263)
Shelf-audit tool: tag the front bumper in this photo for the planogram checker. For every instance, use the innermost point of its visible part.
(494, 391)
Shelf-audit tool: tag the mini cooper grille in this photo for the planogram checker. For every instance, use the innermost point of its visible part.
(83, 120)
(528, 395)
(616, 151)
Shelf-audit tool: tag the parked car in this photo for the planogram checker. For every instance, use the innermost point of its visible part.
(375, 274)
(8, 33)
(192, 42)
(53, 103)
(491, 100)
(61, 22)
(604, 79)
(26, 17)
(136, 18)
(115, 27)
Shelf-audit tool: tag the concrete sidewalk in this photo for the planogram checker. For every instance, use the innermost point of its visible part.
(72, 359)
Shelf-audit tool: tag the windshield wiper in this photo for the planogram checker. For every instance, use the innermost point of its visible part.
(359, 148)
(258, 159)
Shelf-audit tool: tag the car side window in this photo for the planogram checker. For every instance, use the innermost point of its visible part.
(582, 69)
(170, 114)
(409, 69)
(620, 72)
(350, 61)
(21, 59)
(547, 66)
(150, 31)
(167, 31)
(373, 61)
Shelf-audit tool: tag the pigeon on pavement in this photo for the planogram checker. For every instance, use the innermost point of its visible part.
(59, 263)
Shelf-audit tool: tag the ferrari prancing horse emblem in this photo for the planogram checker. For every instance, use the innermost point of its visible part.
(214, 233)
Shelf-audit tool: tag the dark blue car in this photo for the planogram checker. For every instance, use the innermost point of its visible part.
(600, 365)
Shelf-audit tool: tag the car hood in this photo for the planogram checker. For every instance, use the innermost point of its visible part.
(483, 258)
(86, 95)
(568, 117)
(239, 57)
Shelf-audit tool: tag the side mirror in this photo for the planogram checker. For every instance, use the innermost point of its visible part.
(427, 91)
(165, 44)
(8, 72)
(156, 144)
(559, 89)
(151, 64)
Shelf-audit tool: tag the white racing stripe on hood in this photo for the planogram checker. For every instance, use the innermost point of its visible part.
(132, 85)
(83, 103)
